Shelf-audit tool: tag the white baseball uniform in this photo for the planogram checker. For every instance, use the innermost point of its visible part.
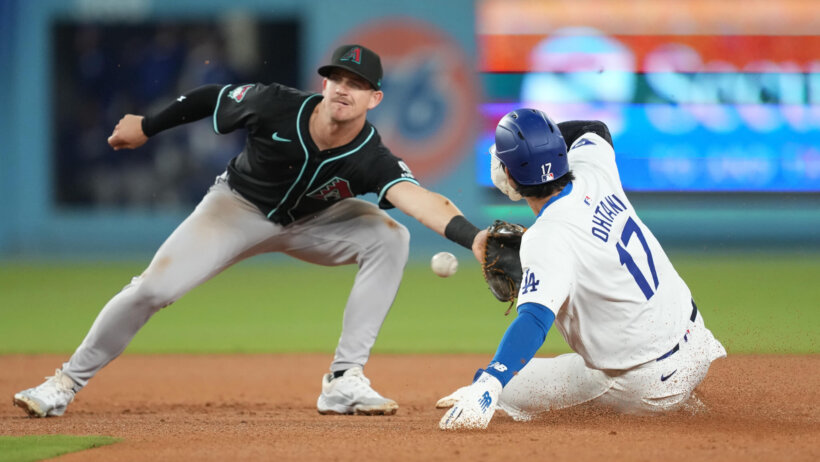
(640, 344)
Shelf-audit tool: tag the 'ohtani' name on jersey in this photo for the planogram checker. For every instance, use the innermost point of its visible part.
(604, 216)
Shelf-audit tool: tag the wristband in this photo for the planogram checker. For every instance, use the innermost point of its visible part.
(461, 231)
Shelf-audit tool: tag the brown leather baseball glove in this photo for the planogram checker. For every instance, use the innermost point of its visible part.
(502, 263)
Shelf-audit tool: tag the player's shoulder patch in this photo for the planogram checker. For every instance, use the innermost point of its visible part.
(238, 93)
(405, 170)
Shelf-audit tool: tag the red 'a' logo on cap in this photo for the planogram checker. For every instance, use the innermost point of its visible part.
(354, 54)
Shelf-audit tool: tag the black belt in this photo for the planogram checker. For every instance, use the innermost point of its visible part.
(677, 346)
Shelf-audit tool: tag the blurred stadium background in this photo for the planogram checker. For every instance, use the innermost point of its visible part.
(715, 109)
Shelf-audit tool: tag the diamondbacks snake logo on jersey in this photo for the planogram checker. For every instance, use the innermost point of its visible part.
(334, 190)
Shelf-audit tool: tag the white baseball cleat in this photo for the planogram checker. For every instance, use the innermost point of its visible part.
(351, 393)
(50, 398)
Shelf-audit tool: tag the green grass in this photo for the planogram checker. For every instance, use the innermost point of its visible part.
(31, 448)
(758, 304)
(753, 304)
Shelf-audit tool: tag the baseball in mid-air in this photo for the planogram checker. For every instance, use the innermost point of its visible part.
(444, 264)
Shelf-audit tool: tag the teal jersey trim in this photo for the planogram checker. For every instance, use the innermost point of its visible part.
(304, 148)
(216, 109)
(352, 151)
(397, 180)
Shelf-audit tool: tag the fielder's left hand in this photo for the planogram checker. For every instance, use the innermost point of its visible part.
(475, 406)
(128, 133)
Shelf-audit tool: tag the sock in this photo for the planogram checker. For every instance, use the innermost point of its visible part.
(337, 374)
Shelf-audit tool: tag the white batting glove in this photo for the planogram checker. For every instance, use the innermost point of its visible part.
(499, 178)
(475, 406)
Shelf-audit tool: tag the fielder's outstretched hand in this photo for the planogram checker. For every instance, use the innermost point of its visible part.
(128, 133)
(475, 406)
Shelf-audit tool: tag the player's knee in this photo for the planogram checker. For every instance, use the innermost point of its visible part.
(386, 237)
(151, 294)
(654, 405)
(395, 238)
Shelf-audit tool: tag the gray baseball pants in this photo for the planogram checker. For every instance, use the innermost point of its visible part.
(225, 229)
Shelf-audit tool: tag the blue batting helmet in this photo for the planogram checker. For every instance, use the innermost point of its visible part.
(530, 145)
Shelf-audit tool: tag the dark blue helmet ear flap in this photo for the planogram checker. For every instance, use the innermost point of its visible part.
(530, 145)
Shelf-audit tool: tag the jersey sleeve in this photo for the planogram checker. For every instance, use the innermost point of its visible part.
(240, 106)
(194, 105)
(387, 171)
(549, 269)
(573, 129)
(592, 152)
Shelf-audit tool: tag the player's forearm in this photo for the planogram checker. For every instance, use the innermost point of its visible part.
(194, 105)
(521, 341)
(442, 216)
(433, 211)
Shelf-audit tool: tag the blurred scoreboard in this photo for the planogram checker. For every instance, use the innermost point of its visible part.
(720, 96)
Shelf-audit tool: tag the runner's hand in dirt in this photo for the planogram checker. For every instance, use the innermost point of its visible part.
(475, 406)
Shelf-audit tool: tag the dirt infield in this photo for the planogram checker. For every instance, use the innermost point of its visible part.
(262, 407)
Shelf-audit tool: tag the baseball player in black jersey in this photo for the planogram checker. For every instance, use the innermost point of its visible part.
(292, 190)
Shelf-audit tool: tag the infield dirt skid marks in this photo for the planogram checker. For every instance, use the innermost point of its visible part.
(263, 407)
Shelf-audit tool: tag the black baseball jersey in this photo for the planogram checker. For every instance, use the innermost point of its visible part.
(281, 170)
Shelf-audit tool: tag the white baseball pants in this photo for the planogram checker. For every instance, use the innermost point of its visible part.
(656, 386)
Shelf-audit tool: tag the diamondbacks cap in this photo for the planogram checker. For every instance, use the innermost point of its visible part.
(359, 60)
